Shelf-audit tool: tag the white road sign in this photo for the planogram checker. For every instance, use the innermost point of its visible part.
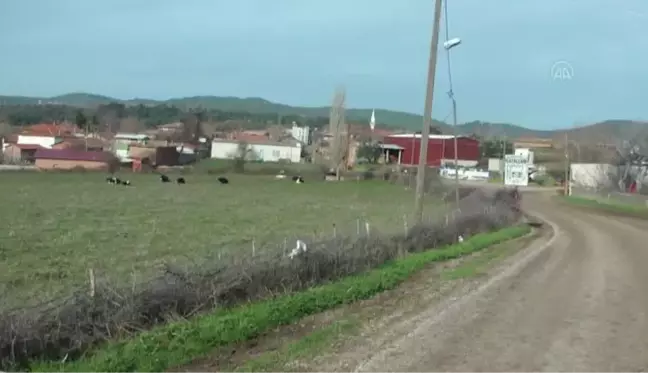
(516, 170)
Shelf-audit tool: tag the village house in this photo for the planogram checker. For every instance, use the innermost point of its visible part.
(170, 128)
(90, 144)
(123, 141)
(52, 136)
(14, 153)
(52, 129)
(65, 159)
(262, 150)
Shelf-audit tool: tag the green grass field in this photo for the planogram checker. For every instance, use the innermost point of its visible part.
(57, 226)
(636, 210)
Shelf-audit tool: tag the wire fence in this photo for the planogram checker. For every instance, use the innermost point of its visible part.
(106, 308)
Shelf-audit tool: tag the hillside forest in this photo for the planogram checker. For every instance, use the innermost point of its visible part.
(106, 114)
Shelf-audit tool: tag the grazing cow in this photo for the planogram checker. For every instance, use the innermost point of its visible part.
(113, 180)
(164, 178)
(223, 180)
(298, 179)
(181, 180)
(126, 183)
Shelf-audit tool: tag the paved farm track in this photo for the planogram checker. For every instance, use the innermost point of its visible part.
(577, 301)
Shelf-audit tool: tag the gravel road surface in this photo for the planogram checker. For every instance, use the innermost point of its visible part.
(576, 302)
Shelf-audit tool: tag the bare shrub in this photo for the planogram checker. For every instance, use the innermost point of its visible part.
(68, 327)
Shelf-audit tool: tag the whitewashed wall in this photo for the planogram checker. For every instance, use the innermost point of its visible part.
(495, 165)
(262, 152)
(223, 150)
(274, 153)
(44, 141)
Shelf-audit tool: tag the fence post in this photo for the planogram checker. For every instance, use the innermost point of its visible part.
(285, 246)
(92, 282)
(134, 280)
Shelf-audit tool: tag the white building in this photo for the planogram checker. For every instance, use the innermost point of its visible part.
(495, 165)
(44, 141)
(139, 138)
(301, 134)
(525, 152)
(265, 152)
(123, 141)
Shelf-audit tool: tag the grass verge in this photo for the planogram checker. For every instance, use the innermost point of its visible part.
(305, 348)
(180, 343)
(305, 353)
(638, 211)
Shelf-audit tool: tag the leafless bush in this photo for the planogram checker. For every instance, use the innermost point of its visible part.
(70, 326)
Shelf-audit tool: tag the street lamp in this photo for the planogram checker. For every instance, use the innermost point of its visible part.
(448, 45)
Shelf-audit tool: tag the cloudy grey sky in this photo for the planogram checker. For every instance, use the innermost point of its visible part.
(296, 52)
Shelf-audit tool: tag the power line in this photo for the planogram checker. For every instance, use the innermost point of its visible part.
(454, 103)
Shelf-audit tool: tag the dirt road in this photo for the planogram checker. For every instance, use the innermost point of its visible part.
(578, 302)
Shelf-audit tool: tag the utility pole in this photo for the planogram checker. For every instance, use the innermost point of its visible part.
(427, 115)
(566, 186)
(340, 131)
(456, 147)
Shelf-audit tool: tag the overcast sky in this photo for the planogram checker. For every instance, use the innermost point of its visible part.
(296, 52)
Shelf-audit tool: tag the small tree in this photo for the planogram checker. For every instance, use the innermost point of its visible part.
(434, 130)
(276, 132)
(5, 130)
(370, 152)
(113, 163)
(81, 120)
(240, 156)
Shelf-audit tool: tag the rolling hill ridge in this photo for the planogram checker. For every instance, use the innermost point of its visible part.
(388, 118)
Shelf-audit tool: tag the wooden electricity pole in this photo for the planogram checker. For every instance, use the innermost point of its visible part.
(427, 115)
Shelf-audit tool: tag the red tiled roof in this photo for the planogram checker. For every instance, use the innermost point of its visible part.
(27, 146)
(254, 132)
(45, 129)
(250, 137)
(81, 142)
(72, 155)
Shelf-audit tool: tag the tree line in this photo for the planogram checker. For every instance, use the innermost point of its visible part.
(147, 116)
(118, 117)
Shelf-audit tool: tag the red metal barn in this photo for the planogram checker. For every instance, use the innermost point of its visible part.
(440, 149)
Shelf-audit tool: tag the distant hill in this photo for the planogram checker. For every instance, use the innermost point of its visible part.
(253, 105)
(389, 118)
(607, 132)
